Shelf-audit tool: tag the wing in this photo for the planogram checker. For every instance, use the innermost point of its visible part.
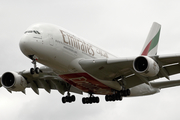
(111, 69)
(165, 84)
(48, 80)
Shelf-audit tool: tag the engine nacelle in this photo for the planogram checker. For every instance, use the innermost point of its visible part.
(146, 66)
(13, 81)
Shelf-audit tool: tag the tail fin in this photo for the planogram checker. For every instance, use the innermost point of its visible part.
(151, 45)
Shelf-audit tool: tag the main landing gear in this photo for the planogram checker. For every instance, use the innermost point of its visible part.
(68, 98)
(118, 95)
(35, 69)
(90, 100)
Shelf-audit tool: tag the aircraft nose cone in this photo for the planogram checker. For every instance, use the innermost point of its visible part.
(25, 45)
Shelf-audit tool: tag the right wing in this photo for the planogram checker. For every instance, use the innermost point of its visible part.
(165, 84)
(109, 69)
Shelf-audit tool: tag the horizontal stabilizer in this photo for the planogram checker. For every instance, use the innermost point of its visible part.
(165, 84)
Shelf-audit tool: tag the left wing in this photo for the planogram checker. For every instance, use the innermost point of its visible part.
(46, 79)
(122, 69)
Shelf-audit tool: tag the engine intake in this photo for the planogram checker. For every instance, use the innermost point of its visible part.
(146, 66)
(13, 81)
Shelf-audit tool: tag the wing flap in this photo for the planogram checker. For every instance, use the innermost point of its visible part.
(48, 80)
(173, 69)
(45, 85)
(34, 87)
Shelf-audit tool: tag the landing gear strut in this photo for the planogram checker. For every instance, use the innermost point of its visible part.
(90, 99)
(35, 69)
(68, 98)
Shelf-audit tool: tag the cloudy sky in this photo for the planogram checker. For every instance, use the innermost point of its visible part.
(120, 27)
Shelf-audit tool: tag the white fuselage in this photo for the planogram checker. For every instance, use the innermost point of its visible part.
(54, 46)
(61, 50)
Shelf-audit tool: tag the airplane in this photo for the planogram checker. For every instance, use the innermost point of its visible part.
(73, 65)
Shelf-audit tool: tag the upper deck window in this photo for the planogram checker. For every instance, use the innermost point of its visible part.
(32, 31)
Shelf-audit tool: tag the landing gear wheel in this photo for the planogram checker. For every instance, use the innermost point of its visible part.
(63, 100)
(90, 100)
(84, 100)
(118, 95)
(68, 99)
(96, 99)
(73, 98)
(37, 70)
(128, 92)
(32, 71)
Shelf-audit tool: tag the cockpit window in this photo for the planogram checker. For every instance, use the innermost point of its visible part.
(32, 31)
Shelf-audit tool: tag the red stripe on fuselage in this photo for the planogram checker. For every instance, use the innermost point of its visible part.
(86, 83)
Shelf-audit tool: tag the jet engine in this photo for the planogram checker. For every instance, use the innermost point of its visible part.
(146, 66)
(13, 81)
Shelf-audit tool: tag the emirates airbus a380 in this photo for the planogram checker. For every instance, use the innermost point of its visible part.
(71, 64)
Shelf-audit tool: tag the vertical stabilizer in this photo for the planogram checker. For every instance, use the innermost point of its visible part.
(151, 45)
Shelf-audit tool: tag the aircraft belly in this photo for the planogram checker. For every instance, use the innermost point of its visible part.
(143, 89)
(86, 83)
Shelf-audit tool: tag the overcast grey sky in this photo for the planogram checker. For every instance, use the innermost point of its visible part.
(119, 27)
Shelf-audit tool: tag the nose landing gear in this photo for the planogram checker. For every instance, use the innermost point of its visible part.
(35, 69)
